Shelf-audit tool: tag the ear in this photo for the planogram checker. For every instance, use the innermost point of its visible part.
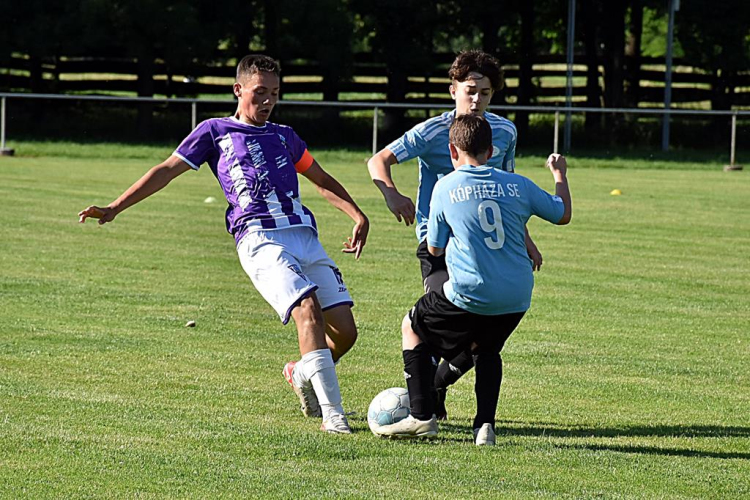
(237, 89)
(453, 150)
(452, 90)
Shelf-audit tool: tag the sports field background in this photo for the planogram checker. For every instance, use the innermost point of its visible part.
(628, 378)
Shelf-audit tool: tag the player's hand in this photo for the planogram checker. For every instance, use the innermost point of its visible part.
(401, 206)
(557, 163)
(356, 242)
(534, 254)
(104, 215)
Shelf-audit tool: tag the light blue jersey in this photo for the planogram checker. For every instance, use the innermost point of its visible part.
(428, 141)
(479, 215)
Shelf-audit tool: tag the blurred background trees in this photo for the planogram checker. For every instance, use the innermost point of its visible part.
(344, 42)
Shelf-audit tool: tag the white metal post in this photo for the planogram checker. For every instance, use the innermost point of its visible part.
(557, 132)
(733, 147)
(194, 115)
(375, 131)
(3, 150)
(2, 125)
(674, 5)
(569, 75)
(734, 139)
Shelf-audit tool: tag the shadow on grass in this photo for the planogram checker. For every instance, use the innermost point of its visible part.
(514, 428)
(653, 450)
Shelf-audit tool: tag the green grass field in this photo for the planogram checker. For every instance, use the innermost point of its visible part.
(628, 378)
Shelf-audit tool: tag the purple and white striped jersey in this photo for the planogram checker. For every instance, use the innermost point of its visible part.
(257, 169)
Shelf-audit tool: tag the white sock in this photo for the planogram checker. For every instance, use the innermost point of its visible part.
(318, 368)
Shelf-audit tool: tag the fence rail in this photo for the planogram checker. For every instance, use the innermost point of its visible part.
(645, 78)
(377, 107)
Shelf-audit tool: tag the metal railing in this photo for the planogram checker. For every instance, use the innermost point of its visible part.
(556, 110)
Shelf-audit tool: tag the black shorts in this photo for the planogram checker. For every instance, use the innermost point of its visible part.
(448, 330)
(428, 262)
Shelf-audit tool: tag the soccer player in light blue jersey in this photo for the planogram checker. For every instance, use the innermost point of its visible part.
(257, 163)
(478, 215)
(475, 76)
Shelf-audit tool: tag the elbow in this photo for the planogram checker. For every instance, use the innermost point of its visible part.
(565, 219)
(373, 169)
(435, 251)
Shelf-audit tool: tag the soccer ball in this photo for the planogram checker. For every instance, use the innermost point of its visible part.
(388, 407)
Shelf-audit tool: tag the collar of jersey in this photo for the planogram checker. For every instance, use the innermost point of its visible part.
(478, 170)
(240, 122)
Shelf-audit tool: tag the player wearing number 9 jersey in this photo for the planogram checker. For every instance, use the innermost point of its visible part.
(478, 215)
(477, 219)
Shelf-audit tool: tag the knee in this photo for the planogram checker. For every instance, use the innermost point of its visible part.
(409, 339)
(308, 315)
(406, 325)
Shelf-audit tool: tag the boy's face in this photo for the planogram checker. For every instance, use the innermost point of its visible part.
(473, 95)
(256, 97)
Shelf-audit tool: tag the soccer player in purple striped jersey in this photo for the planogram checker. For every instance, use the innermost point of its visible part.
(256, 163)
(475, 77)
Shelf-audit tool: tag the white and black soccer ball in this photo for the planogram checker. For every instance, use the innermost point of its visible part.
(388, 407)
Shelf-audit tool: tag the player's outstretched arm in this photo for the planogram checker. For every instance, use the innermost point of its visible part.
(339, 197)
(380, 171)
(151, 182)
(559, 168)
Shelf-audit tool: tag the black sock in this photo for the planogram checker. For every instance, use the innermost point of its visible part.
(489, 375)
(419, 372)
(450, 371)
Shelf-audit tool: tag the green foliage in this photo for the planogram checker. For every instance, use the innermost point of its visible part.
(715, 35)
(654, 43)
(402, 31)
(627, 379)
(330, 47)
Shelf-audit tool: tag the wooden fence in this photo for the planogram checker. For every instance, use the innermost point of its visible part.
(692, 87)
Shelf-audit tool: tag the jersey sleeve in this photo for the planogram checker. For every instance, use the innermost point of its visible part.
(438, 230)
(549, 207)
(509, 162)
(301, 157)
(408, 146)
(197, 147)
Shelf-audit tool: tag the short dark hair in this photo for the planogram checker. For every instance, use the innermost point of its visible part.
(471, 134)
(476, 61)
(255, 63)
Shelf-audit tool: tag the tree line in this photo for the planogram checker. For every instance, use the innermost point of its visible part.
(404, 37)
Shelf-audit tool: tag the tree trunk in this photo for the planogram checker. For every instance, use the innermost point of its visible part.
(332, 115)
(593, 121)
(722, 90)
(394, 117)
(271, 27)
(525, 68)
(491, 27)
(633, 54)
(614, 60)
(145, 86)
(35, 75)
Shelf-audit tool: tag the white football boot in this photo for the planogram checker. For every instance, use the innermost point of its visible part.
(308, 400)
(409, 428)
(336, 424)
(484, 436)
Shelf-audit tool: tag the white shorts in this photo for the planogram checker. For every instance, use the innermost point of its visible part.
(286, 265)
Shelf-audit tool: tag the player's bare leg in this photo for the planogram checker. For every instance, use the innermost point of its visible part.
(310, 323)
(341, 330)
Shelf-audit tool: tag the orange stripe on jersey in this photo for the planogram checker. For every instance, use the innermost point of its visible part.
(305, 162)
